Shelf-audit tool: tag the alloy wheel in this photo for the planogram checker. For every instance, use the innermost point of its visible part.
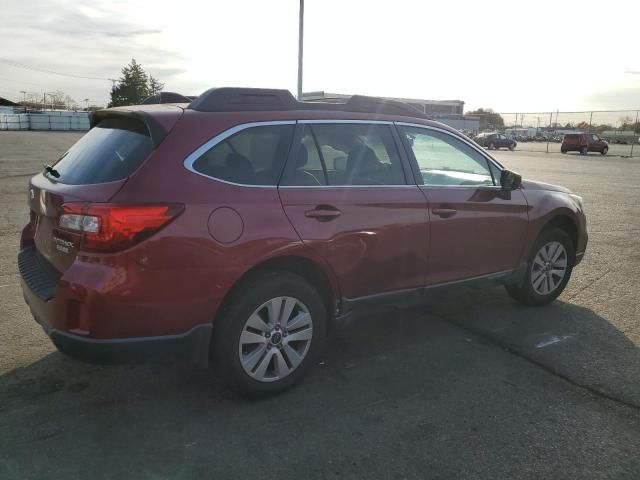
(549, 268)
(275, 339)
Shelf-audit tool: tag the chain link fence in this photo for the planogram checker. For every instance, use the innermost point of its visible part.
(544, 131)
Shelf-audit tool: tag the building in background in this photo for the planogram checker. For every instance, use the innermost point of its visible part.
(449, 112)
(7, 106)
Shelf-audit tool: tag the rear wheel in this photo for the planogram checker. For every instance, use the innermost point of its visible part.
(549, 268)
(269, 334)
(604, 151)
(563, 150)
(492, 146)
(584, 150)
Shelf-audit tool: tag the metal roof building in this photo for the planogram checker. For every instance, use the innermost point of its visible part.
(435, 107)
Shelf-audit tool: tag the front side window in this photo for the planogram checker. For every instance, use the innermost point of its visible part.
(346, 154)
(253, 156)
(444, 160)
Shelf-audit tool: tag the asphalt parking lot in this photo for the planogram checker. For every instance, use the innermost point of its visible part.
(470, 385)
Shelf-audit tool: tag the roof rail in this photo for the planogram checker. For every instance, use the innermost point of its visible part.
(230, 99)
(167, 97)
(233, 99)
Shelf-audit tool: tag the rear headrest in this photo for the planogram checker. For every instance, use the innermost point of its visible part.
(302, 156)
(362, 157)
(239, 168)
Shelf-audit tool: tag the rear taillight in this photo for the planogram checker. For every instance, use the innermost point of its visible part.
(109, 227)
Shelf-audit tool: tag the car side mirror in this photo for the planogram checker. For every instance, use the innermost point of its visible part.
(510, 180)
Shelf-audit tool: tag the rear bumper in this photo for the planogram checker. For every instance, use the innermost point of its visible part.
(192, 346)
(98, 331)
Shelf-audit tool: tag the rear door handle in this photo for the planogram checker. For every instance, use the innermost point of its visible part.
(323, 213)
(444, 212)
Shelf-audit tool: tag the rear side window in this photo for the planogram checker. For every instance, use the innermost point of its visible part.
(110, 151)
(253, 156)
(346, 154)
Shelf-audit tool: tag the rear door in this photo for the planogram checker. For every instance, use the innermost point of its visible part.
(92, 170)
(350, 196)
(476, 228)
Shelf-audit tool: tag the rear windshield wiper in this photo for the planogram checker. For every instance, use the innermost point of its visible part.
(52, 171)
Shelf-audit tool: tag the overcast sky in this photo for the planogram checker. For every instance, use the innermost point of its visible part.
(510, 56)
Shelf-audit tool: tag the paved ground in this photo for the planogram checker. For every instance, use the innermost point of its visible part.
(469, 386)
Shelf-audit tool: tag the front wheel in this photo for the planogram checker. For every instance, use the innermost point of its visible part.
(604, 151)
(269, 334)
(512, 147)
(549, 268)
(584, 150)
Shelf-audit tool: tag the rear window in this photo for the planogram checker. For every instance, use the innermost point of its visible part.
(110, 151)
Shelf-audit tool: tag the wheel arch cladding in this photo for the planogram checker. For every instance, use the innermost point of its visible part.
(566, 223)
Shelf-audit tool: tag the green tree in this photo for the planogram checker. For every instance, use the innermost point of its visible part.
(155, 86)
(489, 120)
(134, 86)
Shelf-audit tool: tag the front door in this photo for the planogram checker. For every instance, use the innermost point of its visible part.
(346, 190)
(476, 228)
(595, 143)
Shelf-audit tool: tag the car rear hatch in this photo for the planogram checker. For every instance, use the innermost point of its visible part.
(91, 172)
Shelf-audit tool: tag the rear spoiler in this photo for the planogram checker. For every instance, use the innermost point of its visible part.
(156, 130)
(168, 97)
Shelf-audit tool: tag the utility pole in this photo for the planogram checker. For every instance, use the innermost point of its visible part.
(300, 48)
(634, 138)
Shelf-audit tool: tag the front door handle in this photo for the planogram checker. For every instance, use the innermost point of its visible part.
(323, 213)
(444, 212)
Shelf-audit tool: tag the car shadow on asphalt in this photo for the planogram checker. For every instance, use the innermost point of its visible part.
(469, 362)
(566, 339)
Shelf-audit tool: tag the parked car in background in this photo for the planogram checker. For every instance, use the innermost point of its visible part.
(495, 141)
(242, 226)
(584, 143)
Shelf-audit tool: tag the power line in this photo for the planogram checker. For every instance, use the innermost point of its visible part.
(44, 70)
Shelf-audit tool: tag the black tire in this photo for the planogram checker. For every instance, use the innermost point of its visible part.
(525, 293)
(512, 147)
(604, 151)
(563, 150)
(491, 146)
(584, 150)
(230, 322)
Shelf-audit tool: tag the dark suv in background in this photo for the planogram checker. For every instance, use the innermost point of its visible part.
(495, 141)
(240, 227)
(584, 143)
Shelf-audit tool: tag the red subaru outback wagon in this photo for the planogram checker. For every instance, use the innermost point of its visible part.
(239, 227)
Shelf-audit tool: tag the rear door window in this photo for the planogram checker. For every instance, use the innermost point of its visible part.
(110, 151)
(253, 156)
(346, 154)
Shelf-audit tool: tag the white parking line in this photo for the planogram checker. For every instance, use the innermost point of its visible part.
(552, 340)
